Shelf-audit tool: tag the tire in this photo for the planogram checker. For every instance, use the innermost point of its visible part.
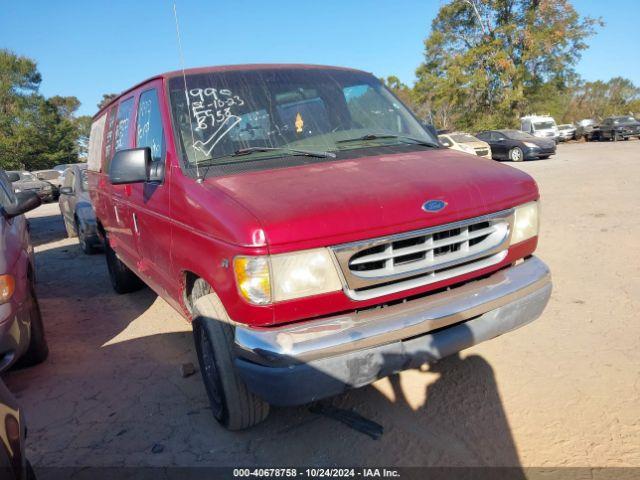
(38, 349)
(85, 244)
(232, 405)
(123, 280)
(516, 154)
(615, 137)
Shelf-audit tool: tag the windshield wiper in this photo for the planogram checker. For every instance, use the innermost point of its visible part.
(377, 136)
(249, 150)
(307, 153)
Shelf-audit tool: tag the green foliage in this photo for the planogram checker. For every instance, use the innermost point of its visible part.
(106, 98)
(35, 132)
(487, 62)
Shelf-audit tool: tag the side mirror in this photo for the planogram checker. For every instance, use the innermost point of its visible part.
(66, 191)
(24, 202)
(130, 166)
(13, 176)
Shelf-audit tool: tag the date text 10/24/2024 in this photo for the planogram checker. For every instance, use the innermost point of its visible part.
(316, 473)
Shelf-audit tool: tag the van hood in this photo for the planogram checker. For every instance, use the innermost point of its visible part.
(339, 201)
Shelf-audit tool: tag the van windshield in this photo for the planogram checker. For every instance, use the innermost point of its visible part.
(321, 110)
(543, 125)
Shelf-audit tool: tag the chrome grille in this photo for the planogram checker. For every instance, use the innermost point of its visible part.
(388, 264)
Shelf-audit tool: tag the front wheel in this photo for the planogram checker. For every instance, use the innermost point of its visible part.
(232, 404)
(516, 154)
(38, 349)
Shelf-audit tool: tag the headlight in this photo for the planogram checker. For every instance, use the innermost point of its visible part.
(16, 190)
(530, 145)
(526, 222)
(302, 274)
(286, 276)
(7, 287)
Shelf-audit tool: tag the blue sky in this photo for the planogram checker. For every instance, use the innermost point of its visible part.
(90, 48)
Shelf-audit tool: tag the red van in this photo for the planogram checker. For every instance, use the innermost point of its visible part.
(310, 227)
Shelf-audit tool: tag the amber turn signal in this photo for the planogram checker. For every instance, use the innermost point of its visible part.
(7, 287)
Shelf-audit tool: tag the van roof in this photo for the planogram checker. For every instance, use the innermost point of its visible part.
(224, 68)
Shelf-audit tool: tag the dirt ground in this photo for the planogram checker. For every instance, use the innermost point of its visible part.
(563, 391)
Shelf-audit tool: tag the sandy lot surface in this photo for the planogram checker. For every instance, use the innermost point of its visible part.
(563, 391)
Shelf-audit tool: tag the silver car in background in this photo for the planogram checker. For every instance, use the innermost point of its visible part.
(566, 131)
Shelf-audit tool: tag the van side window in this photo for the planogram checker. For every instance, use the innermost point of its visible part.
(96, 139)
(149, 131)
(123, 125)
(108, 140)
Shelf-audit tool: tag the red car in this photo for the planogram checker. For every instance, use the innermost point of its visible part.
(22, 336)
(310, 227)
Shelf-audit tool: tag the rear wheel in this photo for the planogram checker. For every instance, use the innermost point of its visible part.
(38, 350)
(86, 245)
(123, 280)
(231, 402)
(516, 155)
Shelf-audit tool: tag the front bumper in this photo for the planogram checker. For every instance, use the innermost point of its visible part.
(530, 153)
(300, 363)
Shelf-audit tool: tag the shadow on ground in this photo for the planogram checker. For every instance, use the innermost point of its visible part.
(111, 393)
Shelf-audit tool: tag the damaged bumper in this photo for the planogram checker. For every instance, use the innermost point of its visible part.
(300, 363)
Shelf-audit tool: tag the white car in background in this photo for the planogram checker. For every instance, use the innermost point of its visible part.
(465, 142)
(541, 126)
(566, 132)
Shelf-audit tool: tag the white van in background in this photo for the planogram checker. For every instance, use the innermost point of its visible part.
(543, 126)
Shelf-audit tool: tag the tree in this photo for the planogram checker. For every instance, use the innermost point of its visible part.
(484, 59)
(66, 106)
(106, 98)
(618, 96)
(35, 132)
(83, 127)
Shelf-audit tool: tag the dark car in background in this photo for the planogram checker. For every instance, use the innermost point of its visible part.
(618, 128)
(516, 146)
(28, 182)
(22, 336)
(51, 176)
(13, 462)
(77, 212)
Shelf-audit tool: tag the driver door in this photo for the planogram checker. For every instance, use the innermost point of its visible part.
(499, 144)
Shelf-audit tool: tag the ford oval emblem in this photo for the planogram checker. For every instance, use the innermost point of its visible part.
(433, 205)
